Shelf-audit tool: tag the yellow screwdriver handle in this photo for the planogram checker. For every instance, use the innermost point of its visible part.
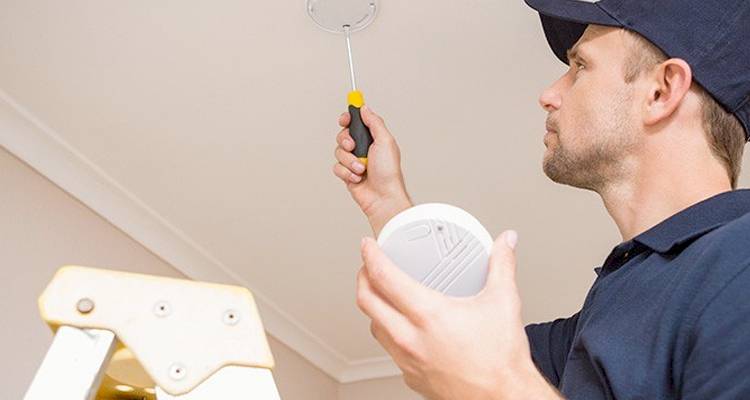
(357, 129)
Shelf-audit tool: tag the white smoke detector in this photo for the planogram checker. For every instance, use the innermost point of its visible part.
(443, 247)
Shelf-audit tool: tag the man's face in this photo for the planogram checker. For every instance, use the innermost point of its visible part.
(590, 123)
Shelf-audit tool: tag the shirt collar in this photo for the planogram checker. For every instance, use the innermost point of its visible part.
(696, 220)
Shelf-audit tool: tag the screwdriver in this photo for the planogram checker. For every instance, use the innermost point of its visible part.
(357, 129)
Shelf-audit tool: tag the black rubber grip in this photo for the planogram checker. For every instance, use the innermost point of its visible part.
(359, 132)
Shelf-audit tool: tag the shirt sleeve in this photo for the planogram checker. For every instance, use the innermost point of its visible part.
(719, 358)
(550, 344)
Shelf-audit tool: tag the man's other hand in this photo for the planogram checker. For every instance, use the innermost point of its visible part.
(453, 348)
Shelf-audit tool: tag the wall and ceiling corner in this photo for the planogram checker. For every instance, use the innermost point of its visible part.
(26, 137)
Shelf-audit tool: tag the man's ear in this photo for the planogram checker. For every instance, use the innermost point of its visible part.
(671, 81)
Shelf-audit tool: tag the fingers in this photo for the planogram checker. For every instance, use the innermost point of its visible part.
(396, 287)
(389, 327)
(502, 264)
(345, 140)
(345, 174)
(376, 124)
(348, 168)
(350, 161)
(373, 121)
(345, 119)
(375, 307)
(400, 348)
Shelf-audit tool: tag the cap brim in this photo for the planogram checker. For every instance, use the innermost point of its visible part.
(564, 21)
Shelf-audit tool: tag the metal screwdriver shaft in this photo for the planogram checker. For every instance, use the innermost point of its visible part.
(347, 31)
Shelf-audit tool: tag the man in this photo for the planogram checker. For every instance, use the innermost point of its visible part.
(652, 115)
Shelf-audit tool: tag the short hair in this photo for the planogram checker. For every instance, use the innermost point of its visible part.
(724, 132)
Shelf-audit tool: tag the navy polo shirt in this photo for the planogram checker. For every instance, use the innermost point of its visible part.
(668, 316)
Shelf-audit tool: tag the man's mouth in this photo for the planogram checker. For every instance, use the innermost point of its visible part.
(550, 128)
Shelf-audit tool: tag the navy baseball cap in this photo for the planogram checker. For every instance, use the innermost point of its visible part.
(712, 36)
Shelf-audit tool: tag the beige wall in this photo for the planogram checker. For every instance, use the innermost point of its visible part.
(297, 379)
(42, 228)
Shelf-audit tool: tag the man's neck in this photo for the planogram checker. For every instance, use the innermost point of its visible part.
(644, 201)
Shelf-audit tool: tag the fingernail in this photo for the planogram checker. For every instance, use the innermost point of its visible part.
(511, 238)
(358, 166)
(355, 178)
(366, 108)
(348, 144)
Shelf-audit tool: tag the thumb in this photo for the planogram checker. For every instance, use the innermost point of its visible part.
(502, 264)
(375, 123)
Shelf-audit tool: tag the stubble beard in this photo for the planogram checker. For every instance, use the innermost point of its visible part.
(602, 161)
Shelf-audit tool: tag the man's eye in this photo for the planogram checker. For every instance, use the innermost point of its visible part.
(576, 67)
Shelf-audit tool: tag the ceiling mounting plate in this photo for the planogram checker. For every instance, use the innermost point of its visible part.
(333, 15)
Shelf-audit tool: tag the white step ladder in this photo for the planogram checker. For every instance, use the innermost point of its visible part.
(123, 336)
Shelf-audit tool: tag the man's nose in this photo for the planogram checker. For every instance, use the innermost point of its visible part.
(551, 100)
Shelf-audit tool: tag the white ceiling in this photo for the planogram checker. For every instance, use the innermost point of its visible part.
(219, 118)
